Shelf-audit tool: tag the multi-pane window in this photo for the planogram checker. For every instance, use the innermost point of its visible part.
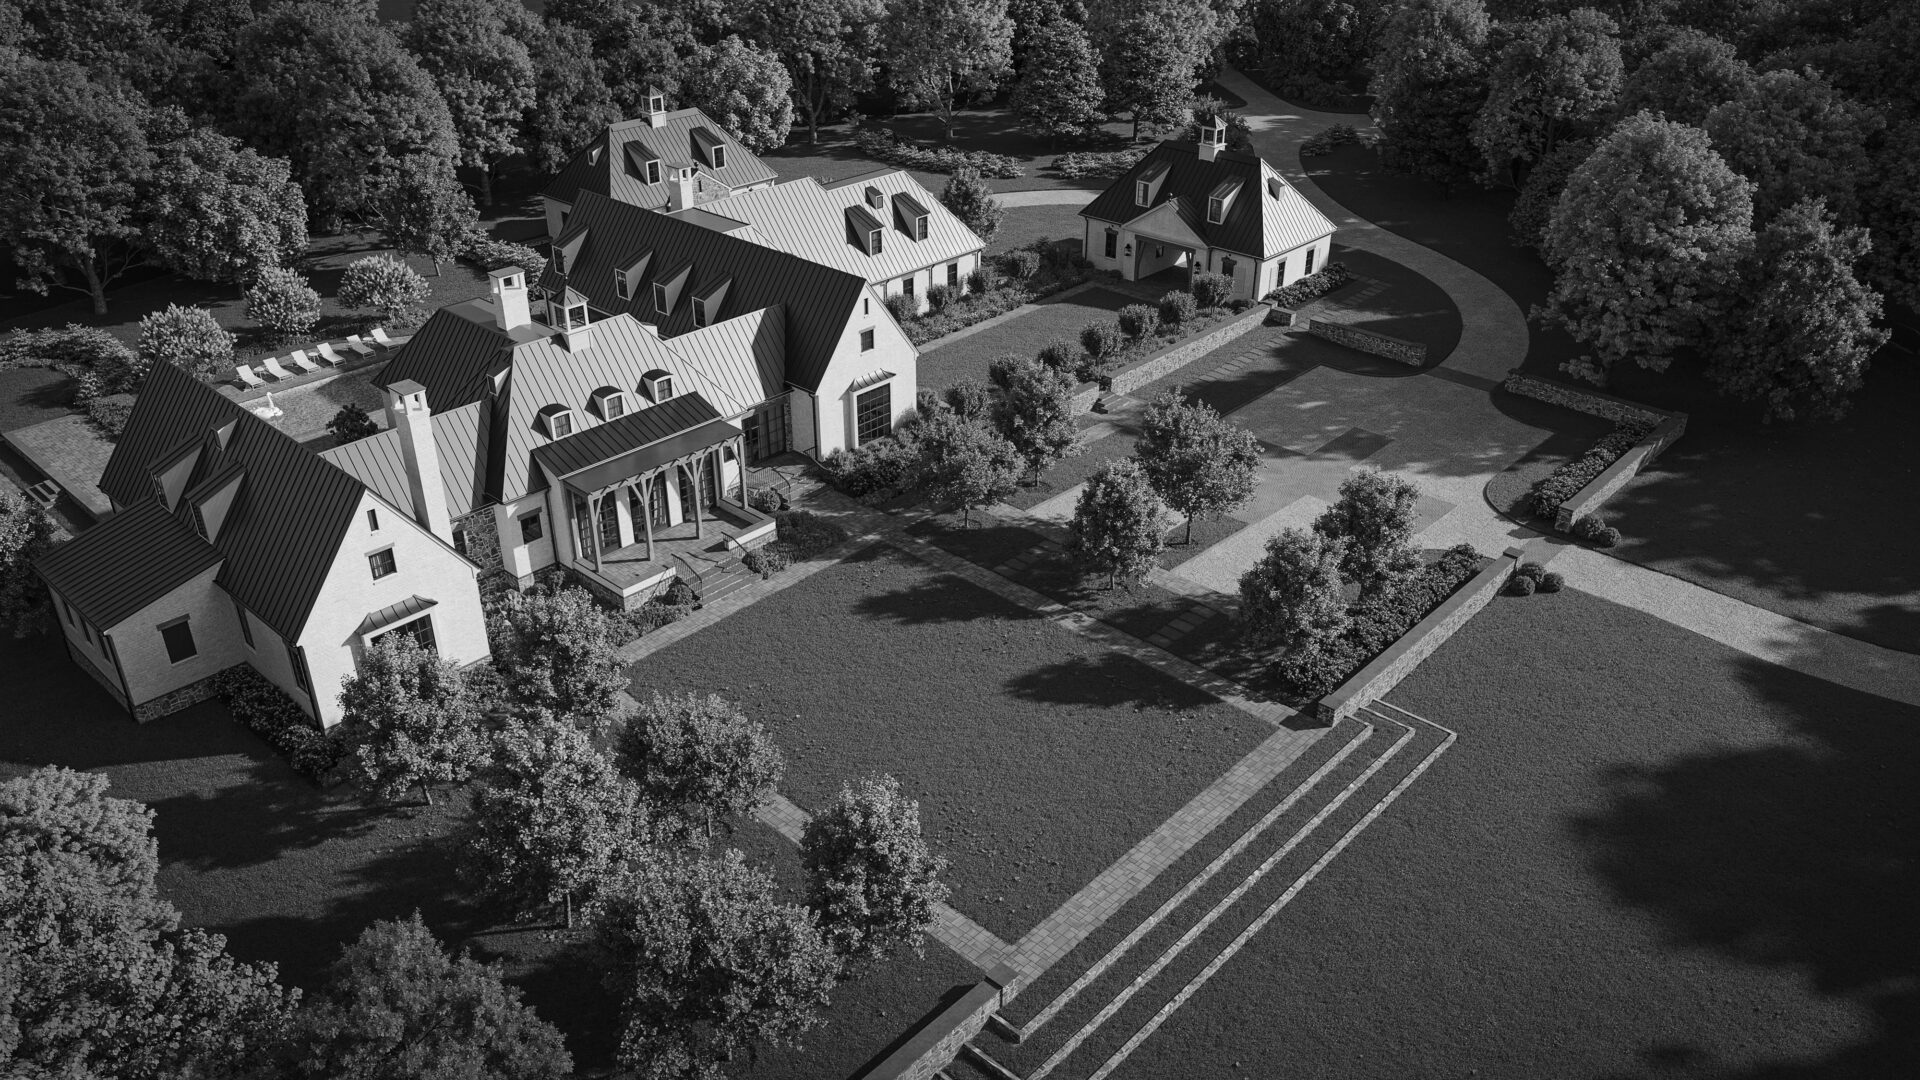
(906, 285)
(560, 424)
(953, 273)
(622, 285)
(866, 340)
(653, 172)
(530, 528)
(297, 660)
(876, 241)
(1142, 193)
(381, 563)
(920, 228)
(1228, 266)
(420, 630)
(614, 405)
(873, 413)
(660, 298)
(719, 157)
(178, 636)
(1113, 243)
(460, 539)
(1309, 268)
(1216, 210)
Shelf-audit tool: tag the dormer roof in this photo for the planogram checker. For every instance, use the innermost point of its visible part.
(811, 220)
(613, 164)
(1265, 216)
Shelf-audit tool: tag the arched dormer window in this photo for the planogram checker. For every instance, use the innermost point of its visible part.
(610, 402)
(658, 385)
(558, 420)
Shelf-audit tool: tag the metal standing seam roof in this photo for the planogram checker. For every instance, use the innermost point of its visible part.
(453, 355)
(393, 613)
(282, 533)
(1257, 223)
(460, 440)
(602, 442)
(807, 218)
(818, 300)
(126, 562)
(609, 172)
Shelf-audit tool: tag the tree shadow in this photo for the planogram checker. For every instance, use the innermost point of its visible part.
(1106, 679)
(945, 598)
(1798, 853)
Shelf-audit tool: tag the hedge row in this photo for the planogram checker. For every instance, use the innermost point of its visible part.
(268, 712)
(1314, 670)
(1100, 164)
(1567, 480)
(1313, 286)
(892, 149)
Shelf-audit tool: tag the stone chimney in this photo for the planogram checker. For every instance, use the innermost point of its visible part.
(1213, 138)
(509, 287)
(681, 195)
(408, 414)
(656, 107)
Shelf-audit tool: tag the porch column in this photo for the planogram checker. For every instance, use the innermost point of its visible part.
(740, 466)
(696, 469)
(646, 508)
(593, 527)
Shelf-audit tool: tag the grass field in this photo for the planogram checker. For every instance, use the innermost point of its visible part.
(1647, 855)
(1812, 520)
(1025, 224)
(966, 359)
(1038, 757)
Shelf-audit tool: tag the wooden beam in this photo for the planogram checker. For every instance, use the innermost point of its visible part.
(646, 507)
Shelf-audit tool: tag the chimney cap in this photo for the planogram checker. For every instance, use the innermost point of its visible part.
(505, 272)
(406, 387)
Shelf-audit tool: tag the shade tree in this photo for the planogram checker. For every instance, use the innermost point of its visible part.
(27, 532)
(696, 757)
(219, 211)
(1552, 78)
(828, 47)
(1058, 91)
(743, 88)
(1796, 138)
(1033, 408)
(938, 53)
(410, 720)
(963, 463)
(1151, 56)
(871, 877)
(1200, 464)
(420, 208)
(571, 102)
(1292, 597)
(970, 198)
(1686, 78)
(558, 652)
(1119, 527)
(477, 53)
(384, 284)
(1374, 517)
(1429, 81)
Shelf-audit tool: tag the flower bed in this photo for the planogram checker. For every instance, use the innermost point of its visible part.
(1098, 164)
(1042, 277)
(1313, 286)
(1566, 481)
(1312, 670)
(886, 146)
(268, 712)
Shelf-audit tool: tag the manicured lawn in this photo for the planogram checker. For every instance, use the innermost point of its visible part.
(993, 130)
(1812, 520)
(1070, 473)
(966, 359)
(1025, 224)
(1647, 855)
(1038, 757)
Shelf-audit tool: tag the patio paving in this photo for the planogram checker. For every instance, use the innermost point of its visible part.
(72, 453)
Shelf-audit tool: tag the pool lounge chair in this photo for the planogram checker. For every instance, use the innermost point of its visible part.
(301, 361)
(272, 364)
(359, 346)
(248, 377)
(325, 349)
(380, 338)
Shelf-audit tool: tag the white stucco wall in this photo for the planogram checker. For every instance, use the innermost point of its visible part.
(143, 653)
(516, 557)
(424, 566)
(892, 351)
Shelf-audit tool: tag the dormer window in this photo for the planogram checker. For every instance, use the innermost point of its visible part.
(1216, 210)
(653, 172)
(876, 241)
(621, 285)
(719, 157)
(920, 227)
(559, 420)
(611, 402)
(658, 385)
(700, 314)
(662, 304)
(1142, 193)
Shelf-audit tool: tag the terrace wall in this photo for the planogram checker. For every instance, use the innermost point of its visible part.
(1159, 365)
(1369, 341)
(938, 1041)
(1667, 429)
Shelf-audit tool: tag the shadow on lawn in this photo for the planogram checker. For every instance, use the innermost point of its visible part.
(941, 599)
(1796, 854)
(1106, 680)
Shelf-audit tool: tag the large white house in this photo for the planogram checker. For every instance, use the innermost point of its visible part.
(1200, 207)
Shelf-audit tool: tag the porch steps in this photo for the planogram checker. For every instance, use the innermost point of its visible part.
(729, 577)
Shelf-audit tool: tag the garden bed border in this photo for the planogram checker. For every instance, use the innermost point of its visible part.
(1384, 672)
(1396, 349)
(1667, 429)
(1159, 365)
(939, 1040)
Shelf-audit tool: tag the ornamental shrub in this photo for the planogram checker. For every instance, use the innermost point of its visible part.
(1377, 624)
(1178, 307)
(878, 467)
(1211, 290)
(1060, 354)
(1521, 585)
(1589, 527)
(807, 533)
(282, 302)
(764, 499)
(1552, 581)
(1102, 339)
(1313, 286)
(1567, 480)
(980, 279)
(902, 307)
(1608, 537)
(268, 712)
(491, 254)
(939, 296)
(766, 561)
(1138, 321)
(72, 346)
(351, 424)
(1531, 570)
(109, 413)
(1021, 264)
(970, 399)
(1085, 165)
(189, 338)
(386, 285)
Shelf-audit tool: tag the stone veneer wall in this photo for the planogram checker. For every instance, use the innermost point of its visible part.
(1368, 341)
(1171, 359)
(1582, 399)
(939, 1040)
(1667, 429)
(174, 700)
(1385, 671)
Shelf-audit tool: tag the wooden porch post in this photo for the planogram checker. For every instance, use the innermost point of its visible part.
(740, 466)
(646, 508)
(697, 496)
(593, 527)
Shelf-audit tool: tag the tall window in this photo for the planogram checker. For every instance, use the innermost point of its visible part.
(920, 228)
(1216, 210)
(873, 413)
(906, 285)
(953, 274)
(719, 157)
(1142, 193)
(1228, 265)
(622, 285)
(373, 520)
(660, 298)
(876, 241)
(1309, 268)
(866, 340)
(297, 660)
(381, 562)
(178, 636)
(1113, 243)
(653, 172)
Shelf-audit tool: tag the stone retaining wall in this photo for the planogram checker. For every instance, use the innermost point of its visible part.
(1369, 341)
(1385, 671)
(175, 700)
(1588, 500)
(1159, 365)
(938, 1041)
(1582, 399)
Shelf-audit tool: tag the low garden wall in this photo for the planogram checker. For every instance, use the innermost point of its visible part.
(1159, 365)
(1667, 429)
(1591, 498)
(1385, 671)
(938, 1041)
(1369, 341)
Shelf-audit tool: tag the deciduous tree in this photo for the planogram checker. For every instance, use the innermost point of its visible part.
(385, 284)
(1686, 78)
(1644, 243)
(26, 533)
(1374, 517)
(871, 877)
(940, 52)
(964, 464)
(1151, 55)
(706, 964)
(1058, 91)
(1801, 335)
(571, 102)
(1118, 526)
(1894, 215)
(1540, 192)
(410, 720)
(972, 201)
(397, 1006)
(1034, 410)
(421, 209)
(1200, 464)
(1296, 44)
(827, 45)
(477, 53)
(554, 823)
(1796, 138)
(1292, 597)
(189, 338)
(1429, 81)
(1554, 77)
(695, 757)
(558, 652)
(744, 88)
(221, 212)
(77, 165)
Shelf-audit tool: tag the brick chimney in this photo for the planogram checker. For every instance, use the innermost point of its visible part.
(408, 414)
(509, 287)
(1213, 138)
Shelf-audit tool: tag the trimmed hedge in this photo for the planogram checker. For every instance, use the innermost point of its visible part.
(1567, 480)
(1313, 670)
(1313, 286)
(806, 533)
(1085, 165)
(886, 146)
(268, 712)
(1177, 307)
(872, 468)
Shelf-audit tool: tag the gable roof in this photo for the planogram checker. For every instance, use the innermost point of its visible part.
(460, 440)
(563, 457)
(126, 562)
(283, 531)
(817, 300)
(1265, 219)
(807, 218)
(609, 164)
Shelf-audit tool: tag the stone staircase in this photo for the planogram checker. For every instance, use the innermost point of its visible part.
(724, 575)
(1084, 1016)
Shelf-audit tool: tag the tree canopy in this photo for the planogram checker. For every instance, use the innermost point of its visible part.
(871, 877)
(940, 52)
(964, 464)
(1199, 463)
(1796, 138)
(1554, 77)
(1292, 596)
(477, 54)
(1151, 55)
(1374, 516)
(827, 46)
(696, 757)
(744, 88)
(1686, 78)
(26, 533)
(1429, 81)
(410, 720)
(1034, 410)
(1118, 526)
(220, 211)
(558, 652)
(1058, 91)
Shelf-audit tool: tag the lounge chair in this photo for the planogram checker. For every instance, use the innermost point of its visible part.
(380, 338)
(358, 346)
(248, 378)
(272, 364)
(301, 361)
(327, 354)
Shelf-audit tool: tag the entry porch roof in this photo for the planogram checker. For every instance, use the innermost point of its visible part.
(634, 445)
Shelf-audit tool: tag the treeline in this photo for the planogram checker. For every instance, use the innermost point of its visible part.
(208, 136)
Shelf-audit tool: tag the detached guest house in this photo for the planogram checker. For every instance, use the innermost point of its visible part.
(1188, 208)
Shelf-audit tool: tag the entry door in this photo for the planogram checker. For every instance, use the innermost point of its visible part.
(609, 524)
